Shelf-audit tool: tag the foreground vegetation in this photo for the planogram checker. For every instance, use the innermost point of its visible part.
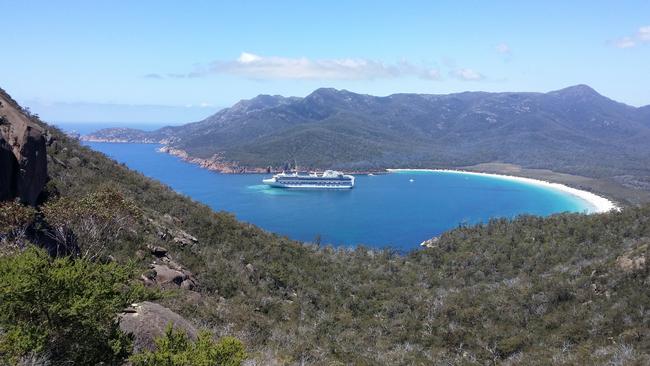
(176, 349)
(569, 289)
(63, 308)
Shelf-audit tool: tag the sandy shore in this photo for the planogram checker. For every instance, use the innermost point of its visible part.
(596, 203)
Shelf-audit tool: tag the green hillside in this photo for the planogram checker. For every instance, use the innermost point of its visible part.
(569, 289)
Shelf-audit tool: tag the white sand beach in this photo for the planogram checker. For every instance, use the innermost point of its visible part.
(598, 204)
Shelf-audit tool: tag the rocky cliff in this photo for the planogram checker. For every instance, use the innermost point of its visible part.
(23, 157)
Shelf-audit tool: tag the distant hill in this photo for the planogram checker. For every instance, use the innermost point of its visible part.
(645, 112)
(574, 130)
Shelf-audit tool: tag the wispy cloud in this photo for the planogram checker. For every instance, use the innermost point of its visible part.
(505, 51)
(644, 34)
(625, 42)
(253, 66)
(466, 74)
(503, 48)
(641, 36)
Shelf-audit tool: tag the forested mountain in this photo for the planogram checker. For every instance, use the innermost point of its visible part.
(574, 130)
(569, 289)
(645, 112)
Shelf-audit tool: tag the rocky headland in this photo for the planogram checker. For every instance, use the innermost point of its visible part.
(23, 158)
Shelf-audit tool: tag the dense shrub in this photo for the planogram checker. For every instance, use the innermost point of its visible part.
(84, 225)
(64, 308)
(14, 215)
(176, 349)
(15, 219)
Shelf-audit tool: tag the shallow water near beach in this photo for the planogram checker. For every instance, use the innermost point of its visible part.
(398, 210)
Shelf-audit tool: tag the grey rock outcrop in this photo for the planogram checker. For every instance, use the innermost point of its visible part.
(167, 273)
(157, 251)
(23, 157)
(431, 243)
(8, 171)
(148, 320)
(172, 275)
(167, 231)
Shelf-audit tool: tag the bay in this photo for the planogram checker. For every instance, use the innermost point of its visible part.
(398, 210)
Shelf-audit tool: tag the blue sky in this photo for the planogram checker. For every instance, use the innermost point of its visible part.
(173, 62)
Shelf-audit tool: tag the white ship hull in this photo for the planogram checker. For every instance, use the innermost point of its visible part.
(272, 183)
(327, 180)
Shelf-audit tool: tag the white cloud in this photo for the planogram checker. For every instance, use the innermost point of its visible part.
(641, 36)
(200, 105)
(625, 42)
(254, 66)
(467, 74)
(246, 58)
(503, 49)
(432, 74)
(644, 33)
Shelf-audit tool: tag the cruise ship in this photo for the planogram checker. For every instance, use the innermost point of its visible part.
(330, 179)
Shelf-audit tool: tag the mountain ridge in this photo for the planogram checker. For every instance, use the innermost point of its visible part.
(577, 129)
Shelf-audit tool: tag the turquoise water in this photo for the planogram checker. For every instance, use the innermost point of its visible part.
(381, 211)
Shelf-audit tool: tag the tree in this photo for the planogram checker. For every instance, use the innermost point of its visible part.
(176, 349)
(15, 219)
(82, 227)
(64, 308)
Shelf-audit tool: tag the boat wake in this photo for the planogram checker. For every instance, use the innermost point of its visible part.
(265, 189)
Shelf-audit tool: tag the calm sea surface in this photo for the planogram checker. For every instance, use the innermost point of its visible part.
(399, 210)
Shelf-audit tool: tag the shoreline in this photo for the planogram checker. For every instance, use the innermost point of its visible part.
(598, 203)
(90, 138)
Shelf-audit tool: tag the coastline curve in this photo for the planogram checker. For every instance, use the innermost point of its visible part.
(598, 204)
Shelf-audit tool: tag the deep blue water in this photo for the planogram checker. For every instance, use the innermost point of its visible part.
(382, 210)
